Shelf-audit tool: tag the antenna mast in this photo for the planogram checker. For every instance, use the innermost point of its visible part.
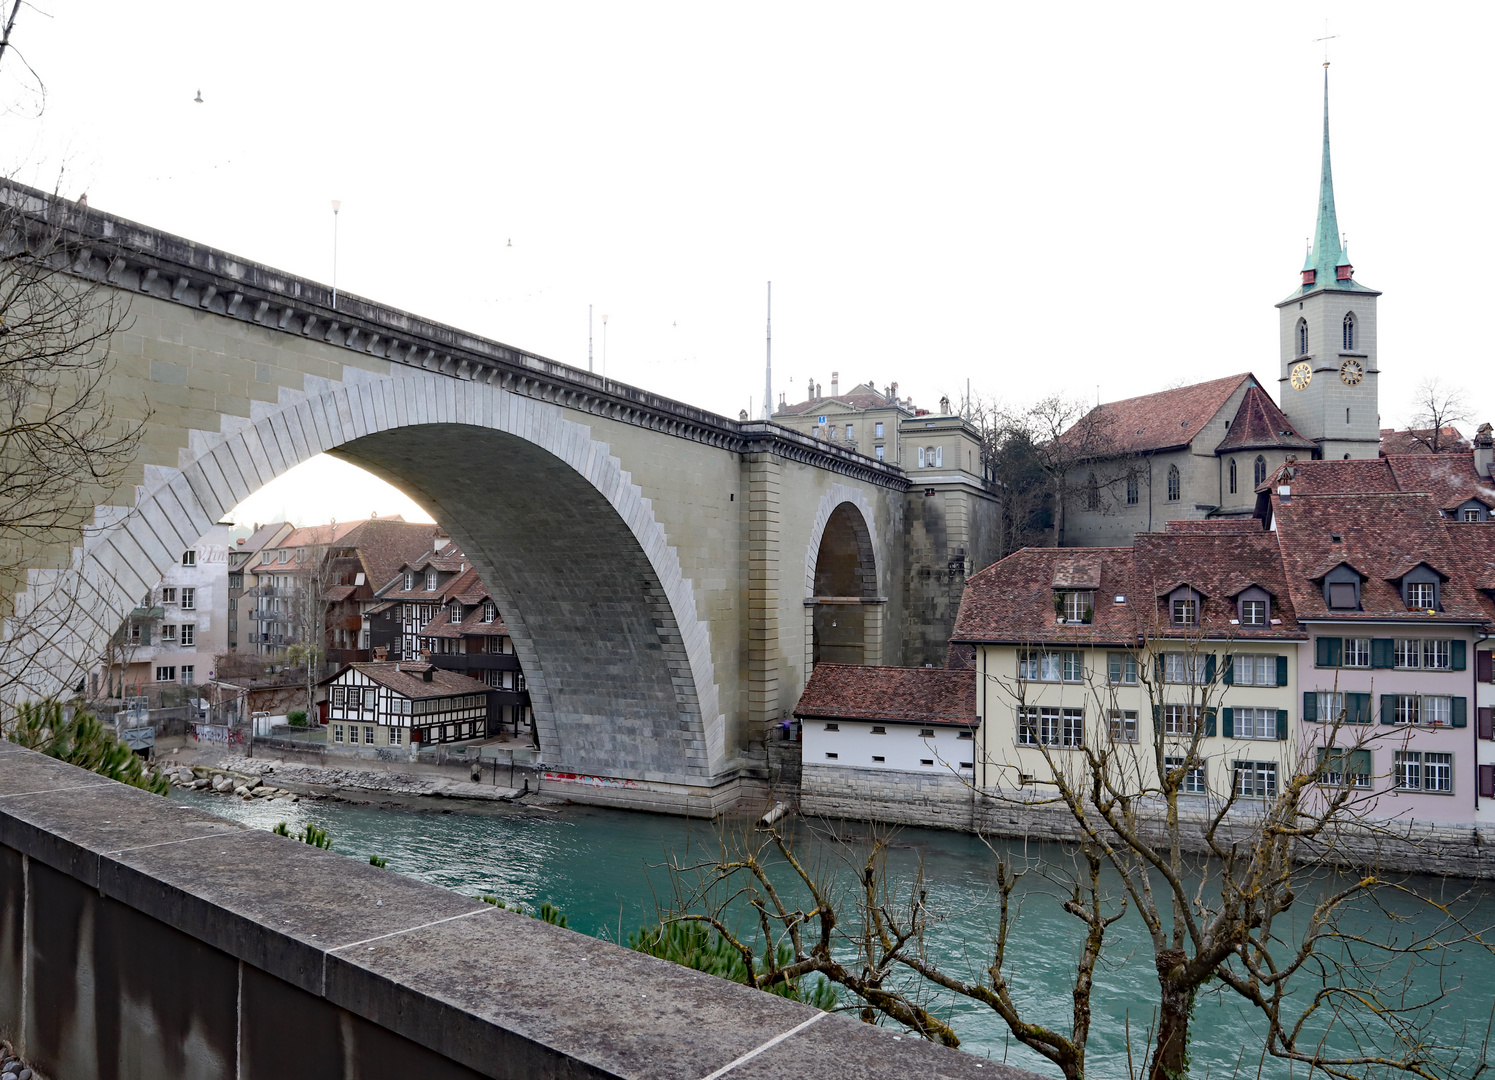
(768, 365)
(589, 337)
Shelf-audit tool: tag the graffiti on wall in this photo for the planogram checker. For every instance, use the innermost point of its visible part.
(586, 781)
(216, 733)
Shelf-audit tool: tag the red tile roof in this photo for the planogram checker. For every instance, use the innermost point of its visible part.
(1163, 421)
(1013, 599)
(404, 678)
(1415, 441)
(1450, 480)
(1230, 526)
(1219, 566)
(901, 695)
(1260, 425)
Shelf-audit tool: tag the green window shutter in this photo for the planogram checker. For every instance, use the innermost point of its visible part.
(1359, 762)
(1209, 668)
(1228, 677)
(1281, 671)
(1282, 725)
(1357, 708)
(1227, 720)
(1310, 707)
(1321, 652)
(1459, 659)
(1460, 712)
(1382, 652)
(145, 634)
(1388, 709)
(1209, 723)
(1328, 651)
(1336, 651)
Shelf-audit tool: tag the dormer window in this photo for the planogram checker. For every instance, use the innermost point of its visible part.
(1309, 276)
(1077, 606)
(1254, 607)
(1183, 607)
(409, 580)
(489, 611)
(456, 615)
(1420, 588)
(430, 581)
(1342, 588)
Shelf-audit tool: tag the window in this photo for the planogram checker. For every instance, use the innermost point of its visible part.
(1421, 771)
(1232, 476)
(1131, 490)
(1421, 710)
(851, 433)
(1174, 484)
(368, 736)
(1193, 780)
(1191, 668)
(1047, 726)
(338, 696)
(189, 634)
(370, 698)
(1092, 493)
(267, 557)
(489, 611)
(1256, 724)
(1253, 613)
(1329, 707)
(456, 614)
(1302, 337)
(1185, 610)
(1357, 652)
(285, 555)
(337, 733)
(189, 674)
(189, 599)
(168, 633)
(879, 452)
(1332, 761)
(939, 456)
(236, 581)
(1342, 595)
(166, 674)
(1122, 668)
(189, 558)
(1259, 470)
(926, 761)
(830, 756)
(1050, 666)
(168, 596)
(1349, 332)
(1180, 720)
(921, 457)
(1079, 607)
(1431, 653)
(877, 429)
(1255, 670)
(1421, 595)
(409, 580)
(430, 581)
(1124, 725)
(1471, 515)
(395, 736)
(879, 729)
(1255, 779)
(878, 759)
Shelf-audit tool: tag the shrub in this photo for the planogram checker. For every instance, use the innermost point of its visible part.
(81, 741)
(296, 718)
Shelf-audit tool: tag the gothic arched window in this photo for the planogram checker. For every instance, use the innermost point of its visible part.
(1092, 493)
(1174, 483)
(1261, 469)
(1232, 476)
(1302, 337)
(1349, 332)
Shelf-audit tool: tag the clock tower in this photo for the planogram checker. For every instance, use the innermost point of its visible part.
(1328, 325)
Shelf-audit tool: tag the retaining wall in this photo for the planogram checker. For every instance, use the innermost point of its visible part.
(938, 800)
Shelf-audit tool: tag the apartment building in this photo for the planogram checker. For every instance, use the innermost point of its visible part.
(173, 634)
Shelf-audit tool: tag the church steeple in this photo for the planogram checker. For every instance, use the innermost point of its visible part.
(1327, 262)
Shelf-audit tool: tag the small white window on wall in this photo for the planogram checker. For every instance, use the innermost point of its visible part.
(921, 457)
(879, 453)
(189, 558)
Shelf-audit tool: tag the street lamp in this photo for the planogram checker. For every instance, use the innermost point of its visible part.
(337, 204)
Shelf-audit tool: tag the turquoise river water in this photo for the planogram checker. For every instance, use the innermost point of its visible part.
(605, 869)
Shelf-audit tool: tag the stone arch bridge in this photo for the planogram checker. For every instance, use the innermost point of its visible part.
(660, 566)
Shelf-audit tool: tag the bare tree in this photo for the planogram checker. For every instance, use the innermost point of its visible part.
(1435, 409)
(1235, 884)
(315, 574)
(63, 450)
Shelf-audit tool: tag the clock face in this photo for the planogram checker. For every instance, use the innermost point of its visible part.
(1301, 375)
(1351, 372)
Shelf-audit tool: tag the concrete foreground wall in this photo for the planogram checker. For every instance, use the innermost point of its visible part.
(940, 801)
(143, 938)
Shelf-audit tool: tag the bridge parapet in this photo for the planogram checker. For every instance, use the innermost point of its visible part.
(139, 937)
(135, 258)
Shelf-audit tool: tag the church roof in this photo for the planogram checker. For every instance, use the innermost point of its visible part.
(1260, 425)
(1166, 420)
(1418, 441)
(1328, 252)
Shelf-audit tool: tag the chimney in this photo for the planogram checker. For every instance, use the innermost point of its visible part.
(381, 653)
(817, 391)
(893, 393)
(835, 383)
(1484, 449)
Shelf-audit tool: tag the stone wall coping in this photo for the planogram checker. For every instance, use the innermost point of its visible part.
(137, 258)
(484, 987)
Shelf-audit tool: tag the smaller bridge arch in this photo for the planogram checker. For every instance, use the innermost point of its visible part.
(844, 605)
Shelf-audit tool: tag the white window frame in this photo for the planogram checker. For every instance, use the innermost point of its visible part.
(168, 633)
(1252, 608)
(1188, 606)
(1195, 781)
(189, 599)
(1181, 721)
(1419, 586)
(187, 673)
(1254, 779)
(189, 557)
(1330, 706)
(1255, 723)
(1185, 669)
(1356, 652)
(396, 736)
(1260, 669)
(1127, 663)
(337, 733)
(189, 635)
(1123, 725)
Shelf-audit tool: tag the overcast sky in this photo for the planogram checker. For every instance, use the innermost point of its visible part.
(1039, 197)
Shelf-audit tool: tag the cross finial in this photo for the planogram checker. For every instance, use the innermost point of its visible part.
(1328, 37)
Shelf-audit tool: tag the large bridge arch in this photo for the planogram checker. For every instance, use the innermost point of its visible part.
(617, 658)
(846, 572)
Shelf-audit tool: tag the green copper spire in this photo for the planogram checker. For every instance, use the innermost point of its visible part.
(1327, 254)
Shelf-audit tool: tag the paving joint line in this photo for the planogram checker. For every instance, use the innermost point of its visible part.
(412, 929)
(49, 791)
(770, 1044)
(185, 840)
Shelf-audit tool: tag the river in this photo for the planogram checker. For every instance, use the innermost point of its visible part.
(605, 870)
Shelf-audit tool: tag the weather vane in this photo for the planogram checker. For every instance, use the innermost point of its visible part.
(1328, 37)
